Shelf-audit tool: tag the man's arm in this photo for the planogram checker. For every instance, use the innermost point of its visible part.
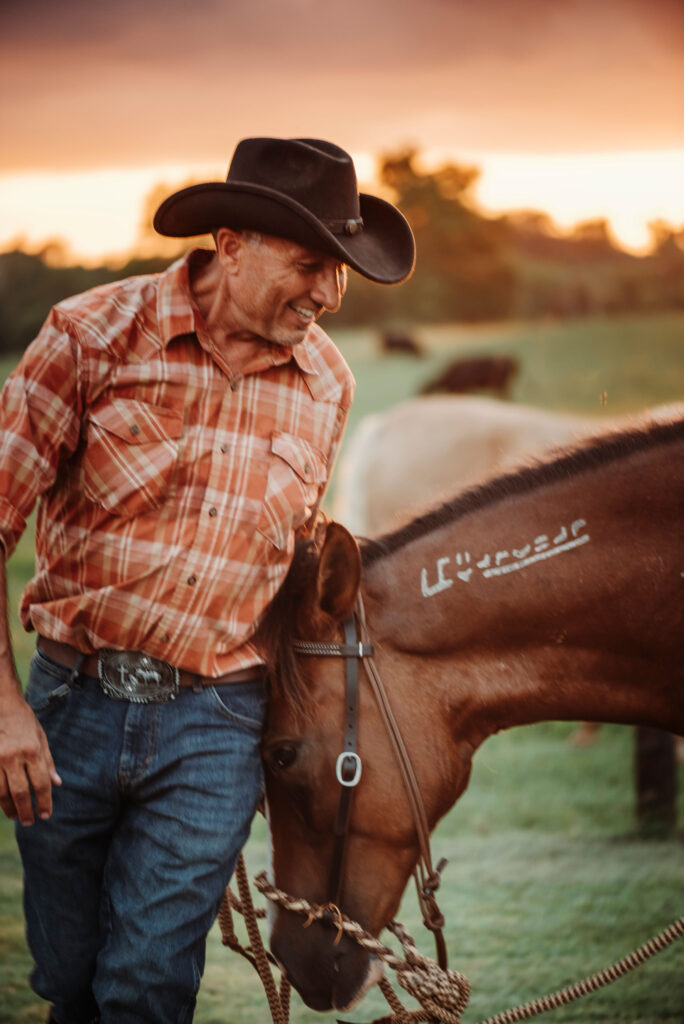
(26, 763)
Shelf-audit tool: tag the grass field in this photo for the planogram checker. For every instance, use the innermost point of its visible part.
(548, 879)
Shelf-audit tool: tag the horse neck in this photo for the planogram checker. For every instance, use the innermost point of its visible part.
(563, 602)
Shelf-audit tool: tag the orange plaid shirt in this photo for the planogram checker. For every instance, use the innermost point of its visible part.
(169, 489)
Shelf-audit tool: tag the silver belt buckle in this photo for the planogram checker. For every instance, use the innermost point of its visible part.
(136, 677)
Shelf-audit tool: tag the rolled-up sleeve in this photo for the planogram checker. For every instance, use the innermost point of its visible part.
(40, 410)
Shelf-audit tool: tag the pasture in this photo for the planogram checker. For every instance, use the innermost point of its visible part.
(548, 879)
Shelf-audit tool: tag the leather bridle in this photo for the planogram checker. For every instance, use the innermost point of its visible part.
(348, 769)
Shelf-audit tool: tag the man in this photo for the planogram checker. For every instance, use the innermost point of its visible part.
(177, 430)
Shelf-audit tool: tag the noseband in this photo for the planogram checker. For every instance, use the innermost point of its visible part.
(348, 770)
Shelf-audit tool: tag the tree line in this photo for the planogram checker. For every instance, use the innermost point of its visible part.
(469, 268)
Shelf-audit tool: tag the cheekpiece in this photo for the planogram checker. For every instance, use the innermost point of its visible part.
(136, 677)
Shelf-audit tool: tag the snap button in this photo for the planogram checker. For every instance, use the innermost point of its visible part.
(192, 580)
(224, 448)
(135, 429)
(307, 469)
(213, 512)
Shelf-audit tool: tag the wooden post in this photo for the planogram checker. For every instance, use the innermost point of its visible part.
(656, 781)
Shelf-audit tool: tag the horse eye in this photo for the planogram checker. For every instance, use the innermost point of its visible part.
(282, 757)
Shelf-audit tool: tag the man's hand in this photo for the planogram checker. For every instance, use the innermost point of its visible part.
(26, 763)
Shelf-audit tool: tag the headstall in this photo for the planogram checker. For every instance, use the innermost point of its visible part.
(348, 766)
(348, 770)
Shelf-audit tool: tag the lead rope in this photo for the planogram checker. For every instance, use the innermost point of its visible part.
(278, 998)
(444, 994)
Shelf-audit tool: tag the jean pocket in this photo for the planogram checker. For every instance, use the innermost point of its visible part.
(243, 704)
(48, 683)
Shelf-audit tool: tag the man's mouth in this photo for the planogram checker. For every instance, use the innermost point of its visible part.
(305, 314)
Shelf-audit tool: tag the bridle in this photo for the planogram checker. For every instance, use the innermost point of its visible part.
(348, 769)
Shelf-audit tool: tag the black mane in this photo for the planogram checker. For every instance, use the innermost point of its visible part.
(589, 454)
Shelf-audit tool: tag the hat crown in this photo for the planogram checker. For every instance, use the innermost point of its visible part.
(314, 173)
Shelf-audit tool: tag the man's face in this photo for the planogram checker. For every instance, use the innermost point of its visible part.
(281, 288)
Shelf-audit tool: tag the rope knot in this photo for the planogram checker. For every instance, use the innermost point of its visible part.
(443, 994)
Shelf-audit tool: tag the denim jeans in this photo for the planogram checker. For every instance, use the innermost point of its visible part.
(123, 882)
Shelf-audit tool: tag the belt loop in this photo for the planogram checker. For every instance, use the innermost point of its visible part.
(76, 670)
(197, 684)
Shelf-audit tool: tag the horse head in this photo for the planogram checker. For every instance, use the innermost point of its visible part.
(304, 739)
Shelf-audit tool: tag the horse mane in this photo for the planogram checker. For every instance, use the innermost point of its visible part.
(587, 455)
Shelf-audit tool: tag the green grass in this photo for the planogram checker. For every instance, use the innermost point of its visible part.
(547, 878)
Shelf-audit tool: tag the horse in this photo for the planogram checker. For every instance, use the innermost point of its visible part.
(400, 461)
(477, 373)
(550, 593)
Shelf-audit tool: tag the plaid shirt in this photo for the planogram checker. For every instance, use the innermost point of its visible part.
(170, 489)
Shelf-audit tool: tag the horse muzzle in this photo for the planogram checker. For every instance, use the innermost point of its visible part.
(328, 974)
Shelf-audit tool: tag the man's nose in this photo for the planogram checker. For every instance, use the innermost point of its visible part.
(329, 287)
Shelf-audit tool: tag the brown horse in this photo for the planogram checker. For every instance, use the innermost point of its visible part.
(550, 593)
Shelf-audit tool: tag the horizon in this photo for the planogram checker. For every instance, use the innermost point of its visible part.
(606, 187)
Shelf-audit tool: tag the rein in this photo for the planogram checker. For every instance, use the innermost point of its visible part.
(348, 769)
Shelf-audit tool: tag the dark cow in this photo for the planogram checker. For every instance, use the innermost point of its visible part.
(478, 373)
(398, 341)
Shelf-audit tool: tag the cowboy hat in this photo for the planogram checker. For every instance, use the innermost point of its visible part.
(304, 190)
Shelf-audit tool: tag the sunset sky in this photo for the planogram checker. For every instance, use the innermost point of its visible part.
(572, 107)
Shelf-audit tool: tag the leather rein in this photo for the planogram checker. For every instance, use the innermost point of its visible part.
(348, 770)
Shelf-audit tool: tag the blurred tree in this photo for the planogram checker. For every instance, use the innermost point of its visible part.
(148, 243)
(463, 270)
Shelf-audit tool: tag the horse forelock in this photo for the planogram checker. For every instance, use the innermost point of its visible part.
(278, 628)
(588, 454)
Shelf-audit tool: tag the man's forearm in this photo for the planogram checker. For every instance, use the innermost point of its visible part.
(9, 681)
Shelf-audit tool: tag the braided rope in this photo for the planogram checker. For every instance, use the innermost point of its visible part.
(278, 999)
(617, 970)
(444, 994)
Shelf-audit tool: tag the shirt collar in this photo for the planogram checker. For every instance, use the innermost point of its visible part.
(177, 312)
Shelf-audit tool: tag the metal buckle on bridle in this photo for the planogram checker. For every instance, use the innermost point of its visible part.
(345, 756)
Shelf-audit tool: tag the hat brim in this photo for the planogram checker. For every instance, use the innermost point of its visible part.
(384, 251)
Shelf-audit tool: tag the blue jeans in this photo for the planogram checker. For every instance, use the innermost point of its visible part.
(123, 882)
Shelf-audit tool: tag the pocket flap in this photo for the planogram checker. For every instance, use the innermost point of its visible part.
(307, 461)
(137, 422)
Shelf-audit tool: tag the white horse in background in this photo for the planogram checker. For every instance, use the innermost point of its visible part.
(401, 461)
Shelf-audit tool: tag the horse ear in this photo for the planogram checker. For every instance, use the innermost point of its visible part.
(339, 572)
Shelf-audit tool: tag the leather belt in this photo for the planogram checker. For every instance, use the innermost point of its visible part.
(67, 656)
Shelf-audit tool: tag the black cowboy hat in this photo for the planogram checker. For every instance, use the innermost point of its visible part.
(304, 190)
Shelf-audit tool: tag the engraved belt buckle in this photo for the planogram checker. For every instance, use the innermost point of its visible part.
(136, 677)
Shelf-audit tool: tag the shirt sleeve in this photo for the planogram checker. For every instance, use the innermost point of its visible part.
(40, 414)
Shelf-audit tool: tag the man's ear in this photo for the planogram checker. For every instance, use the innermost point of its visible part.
(339, 573)
(228, 245)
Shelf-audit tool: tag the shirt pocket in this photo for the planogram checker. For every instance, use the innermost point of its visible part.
(296, 473)
(131, 452)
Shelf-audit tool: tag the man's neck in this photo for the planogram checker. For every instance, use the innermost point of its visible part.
(208, 288)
